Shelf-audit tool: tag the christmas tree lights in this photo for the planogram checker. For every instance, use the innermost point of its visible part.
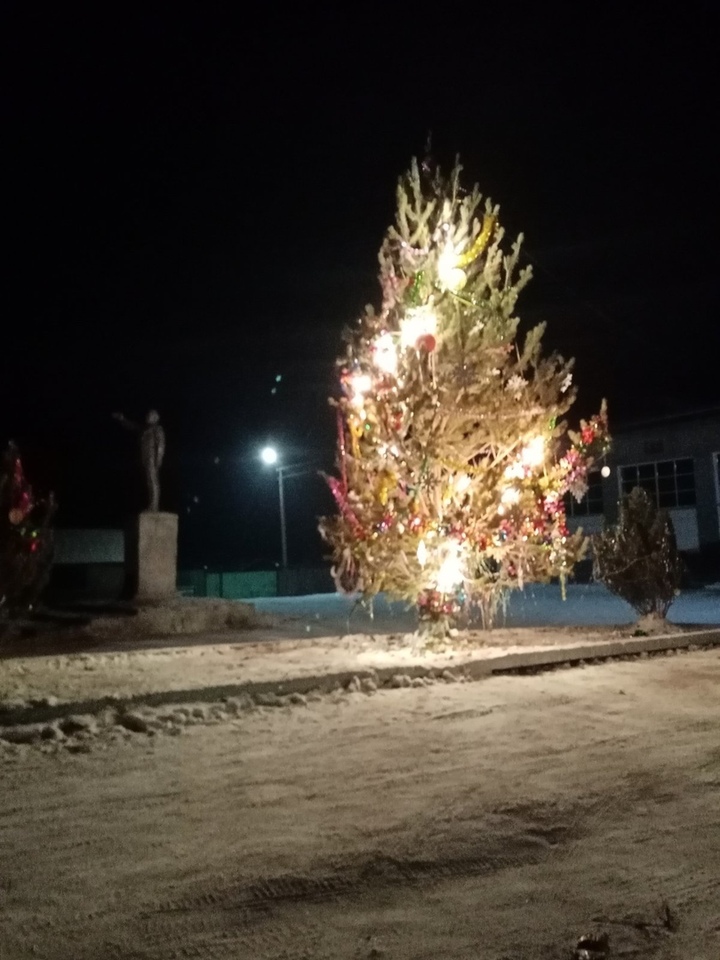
(453, 456)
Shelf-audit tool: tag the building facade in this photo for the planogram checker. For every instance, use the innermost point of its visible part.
(677, 461)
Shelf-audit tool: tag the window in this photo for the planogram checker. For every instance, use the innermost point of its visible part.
(669, 483)
(591, 503)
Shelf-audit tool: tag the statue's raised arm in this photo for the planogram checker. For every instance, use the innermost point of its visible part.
(124, 422)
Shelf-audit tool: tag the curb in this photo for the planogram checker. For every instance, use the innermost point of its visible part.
(633, 646)
(531, 661)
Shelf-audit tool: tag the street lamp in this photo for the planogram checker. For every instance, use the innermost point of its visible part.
(270, 457)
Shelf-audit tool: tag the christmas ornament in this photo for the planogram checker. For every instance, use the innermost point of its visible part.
(479, 243)
(418, 322)
(426, 342)
(414, 289)
(356, 432)
(515, 385)
(386, 483)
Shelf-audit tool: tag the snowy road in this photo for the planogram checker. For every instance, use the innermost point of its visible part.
(490, 820)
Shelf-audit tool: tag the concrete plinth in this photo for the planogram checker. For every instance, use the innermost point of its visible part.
(151, 556)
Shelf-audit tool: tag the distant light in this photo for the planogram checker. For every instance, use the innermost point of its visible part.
(269, 455)
(605, 472)
(278, 378)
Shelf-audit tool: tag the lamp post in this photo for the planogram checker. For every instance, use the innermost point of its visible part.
(270, 457)
(283, 530)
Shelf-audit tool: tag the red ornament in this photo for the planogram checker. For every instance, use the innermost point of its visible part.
(426, 342)
(588, 435)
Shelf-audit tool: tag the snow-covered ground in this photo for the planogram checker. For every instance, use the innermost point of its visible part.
(310, 638)
(476, 821)
(259, 658)
(586, 605)
(498, 819)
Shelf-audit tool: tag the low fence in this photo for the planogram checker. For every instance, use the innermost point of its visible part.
(106, 581)
(246, 584)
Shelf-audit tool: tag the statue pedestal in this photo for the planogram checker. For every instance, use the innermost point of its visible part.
(151, 556)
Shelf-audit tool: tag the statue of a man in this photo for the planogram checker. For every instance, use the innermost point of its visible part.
(152, 451)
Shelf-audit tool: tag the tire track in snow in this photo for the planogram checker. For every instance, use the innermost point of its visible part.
(388, 872)
(219, 921)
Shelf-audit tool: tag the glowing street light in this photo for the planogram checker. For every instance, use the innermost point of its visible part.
(270, 457)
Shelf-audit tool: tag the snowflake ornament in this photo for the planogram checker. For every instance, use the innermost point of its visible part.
(515, 385)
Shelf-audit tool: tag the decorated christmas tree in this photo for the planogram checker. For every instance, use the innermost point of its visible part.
(26, 542)
(453, 455)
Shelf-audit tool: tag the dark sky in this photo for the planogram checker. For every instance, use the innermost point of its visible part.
(193, 206)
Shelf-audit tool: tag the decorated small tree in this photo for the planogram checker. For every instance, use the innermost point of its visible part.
(26, 541)
(638, 560)
(453, 457)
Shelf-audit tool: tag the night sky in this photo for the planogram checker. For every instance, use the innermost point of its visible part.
(193, 207)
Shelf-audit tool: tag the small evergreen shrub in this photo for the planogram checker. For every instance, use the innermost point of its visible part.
(637, 559)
